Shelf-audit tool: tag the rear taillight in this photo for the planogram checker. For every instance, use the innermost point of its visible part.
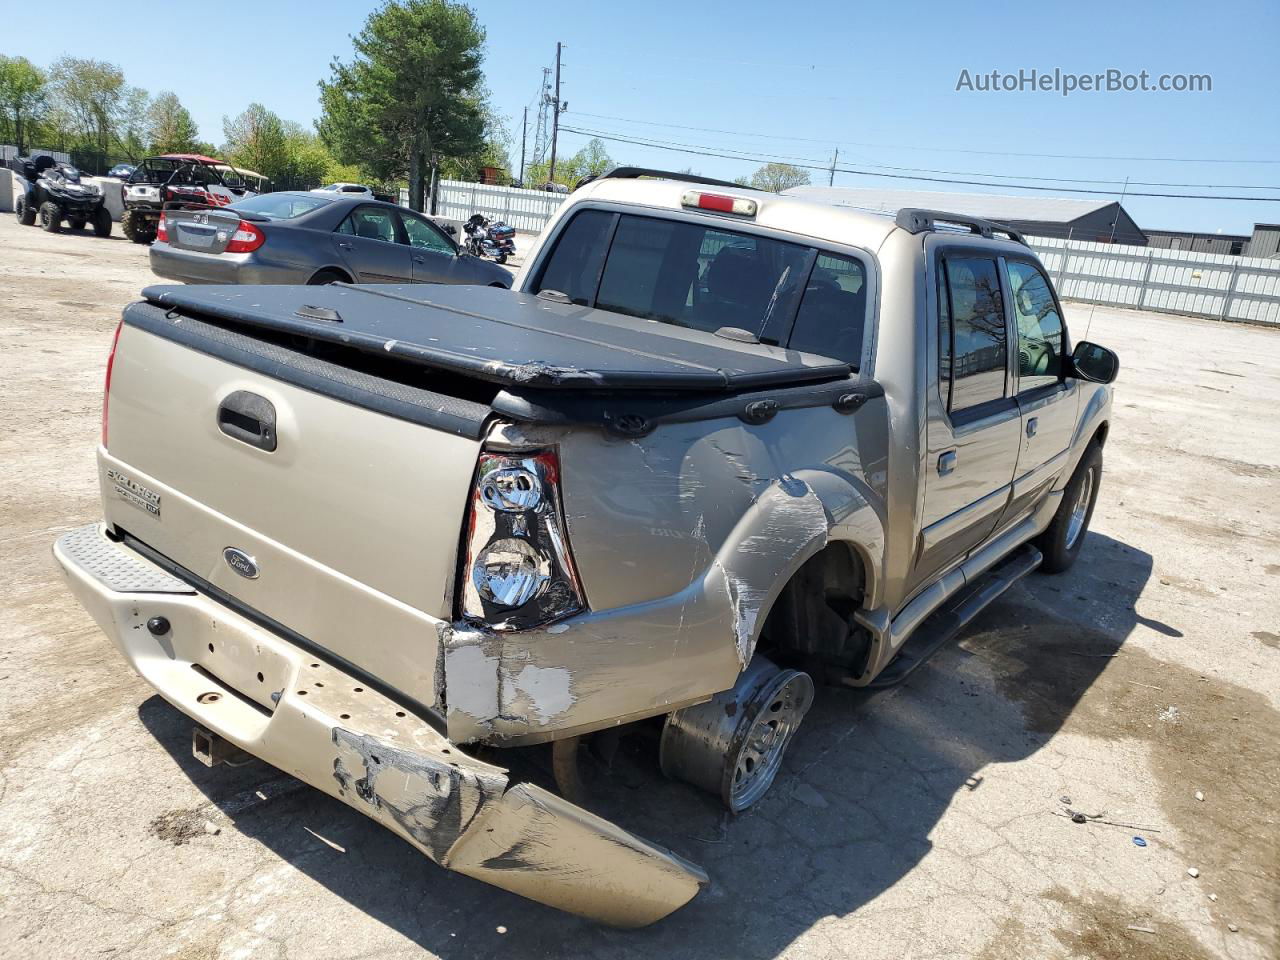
(106, 386)
(246, 239)
(518, 571)
(162, 230)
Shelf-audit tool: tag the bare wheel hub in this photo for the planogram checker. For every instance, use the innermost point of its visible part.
(733, 744)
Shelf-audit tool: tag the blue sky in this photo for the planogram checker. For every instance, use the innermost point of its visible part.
(769, 79)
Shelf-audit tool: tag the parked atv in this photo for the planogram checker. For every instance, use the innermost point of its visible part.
(180, 181)
(52, 192)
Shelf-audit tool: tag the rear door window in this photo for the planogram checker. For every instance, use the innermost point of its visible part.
(373, 223)
(979, 337)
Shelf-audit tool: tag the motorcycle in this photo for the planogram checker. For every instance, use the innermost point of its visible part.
(485, 238)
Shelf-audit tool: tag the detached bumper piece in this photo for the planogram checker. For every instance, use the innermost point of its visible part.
(278, 702)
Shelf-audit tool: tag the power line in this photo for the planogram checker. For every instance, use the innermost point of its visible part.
(958, 173)
(899, 146)
(707, 152)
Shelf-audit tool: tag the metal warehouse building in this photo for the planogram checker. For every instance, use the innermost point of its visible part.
(1094, 220)
(1264, 242)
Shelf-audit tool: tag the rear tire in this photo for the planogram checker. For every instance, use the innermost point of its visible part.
(1061, 541)
(76, 224)
(25, 213)
(102, 222)
(136, 228)
(325, 277)
(50, 216)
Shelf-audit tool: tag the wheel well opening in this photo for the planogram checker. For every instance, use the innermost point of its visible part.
(1101, 434)
(340, 276)
(812, 621)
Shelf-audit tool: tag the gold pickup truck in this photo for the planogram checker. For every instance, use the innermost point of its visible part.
(715, 444)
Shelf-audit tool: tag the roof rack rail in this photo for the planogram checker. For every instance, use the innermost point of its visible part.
(634, 173)
(915, 220)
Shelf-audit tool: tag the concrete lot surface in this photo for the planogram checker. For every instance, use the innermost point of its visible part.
(922, 822)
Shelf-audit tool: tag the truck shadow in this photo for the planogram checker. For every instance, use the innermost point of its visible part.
(852, 812)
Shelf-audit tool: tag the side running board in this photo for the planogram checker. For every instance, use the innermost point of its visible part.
(955, 613)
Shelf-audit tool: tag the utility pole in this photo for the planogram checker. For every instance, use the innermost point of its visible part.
(524, 134)
(831, 180)
(555, 119)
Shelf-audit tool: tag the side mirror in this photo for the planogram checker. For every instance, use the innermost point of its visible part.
(1094, 363)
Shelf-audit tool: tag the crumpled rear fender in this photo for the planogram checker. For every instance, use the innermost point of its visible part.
(603, 668)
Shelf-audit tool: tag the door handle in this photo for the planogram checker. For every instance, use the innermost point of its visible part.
(248, 418)
(419, 259)
(1032, 425)
(344, 244)
(946, 463)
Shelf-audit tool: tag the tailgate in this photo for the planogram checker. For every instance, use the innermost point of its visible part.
(351, 523)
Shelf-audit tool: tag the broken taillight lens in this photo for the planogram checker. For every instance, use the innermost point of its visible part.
(518, 571)
(106, 386)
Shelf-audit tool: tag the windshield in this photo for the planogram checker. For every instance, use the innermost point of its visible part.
(707, 276)
(280, 206)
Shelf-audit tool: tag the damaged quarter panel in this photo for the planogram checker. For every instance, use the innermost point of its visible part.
(683, 539)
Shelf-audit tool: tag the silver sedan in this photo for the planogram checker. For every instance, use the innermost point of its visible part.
(294, 237)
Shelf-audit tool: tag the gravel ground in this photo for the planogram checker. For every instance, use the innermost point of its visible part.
(914, 823)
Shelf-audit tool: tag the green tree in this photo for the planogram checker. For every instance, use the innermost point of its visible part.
(131, 124)
(776, 177)
(170, 127)
(591, 160)
(94, 109)
(307, 160)
(257, 140)
(22, 97)
(494, 152)
(412, 97)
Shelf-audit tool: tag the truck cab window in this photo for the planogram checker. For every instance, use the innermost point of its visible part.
(833, 310)
(1040, 341)
(980, 338)
(574, 265)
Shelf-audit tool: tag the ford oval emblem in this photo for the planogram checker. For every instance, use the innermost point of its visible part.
(241, 563)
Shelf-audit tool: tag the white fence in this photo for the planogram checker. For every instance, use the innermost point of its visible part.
(1168, 281)
(526, 210)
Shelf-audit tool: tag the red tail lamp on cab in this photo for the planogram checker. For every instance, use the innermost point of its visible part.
(719, 203)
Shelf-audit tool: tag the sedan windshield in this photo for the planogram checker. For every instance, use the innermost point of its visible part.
(280, 206)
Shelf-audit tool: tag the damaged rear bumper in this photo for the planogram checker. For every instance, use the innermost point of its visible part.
(318, 723)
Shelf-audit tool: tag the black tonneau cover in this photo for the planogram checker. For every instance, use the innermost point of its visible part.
(513, 339)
